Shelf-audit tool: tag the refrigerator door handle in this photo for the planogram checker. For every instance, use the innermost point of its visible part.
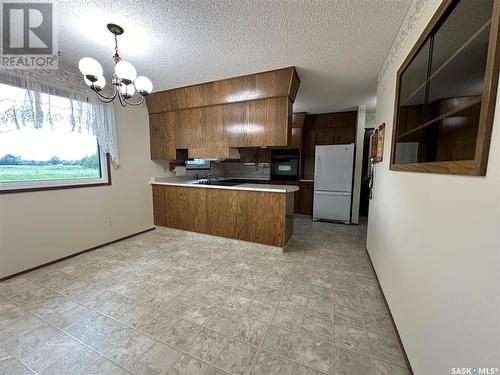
(317, 168)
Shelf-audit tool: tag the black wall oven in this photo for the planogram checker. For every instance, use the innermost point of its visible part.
(284, 164)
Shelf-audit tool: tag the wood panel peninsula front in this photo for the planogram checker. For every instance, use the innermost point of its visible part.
(259, 213)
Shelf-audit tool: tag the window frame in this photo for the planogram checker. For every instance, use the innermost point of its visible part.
(477, 166)
(199, 167)
(42, 185)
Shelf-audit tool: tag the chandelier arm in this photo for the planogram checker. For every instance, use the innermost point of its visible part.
(104, 98)
(123, 102)
(136, 103)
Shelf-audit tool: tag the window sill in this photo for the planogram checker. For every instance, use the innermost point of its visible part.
(72, 185)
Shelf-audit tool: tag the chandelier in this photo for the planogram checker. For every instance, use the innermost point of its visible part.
(125, 81)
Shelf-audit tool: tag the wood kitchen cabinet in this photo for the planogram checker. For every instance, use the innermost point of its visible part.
(180, 208)
(270, 84)
(255, 155)
(255, 216)
(162, 136)
(244, 124)
(296, 136)
(304, 201)
(210, 118)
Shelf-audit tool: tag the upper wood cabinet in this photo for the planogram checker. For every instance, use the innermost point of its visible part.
(274, 83)
(162, 136)
(210, 119)
(244, 124)
(255, 155)
(446, 92)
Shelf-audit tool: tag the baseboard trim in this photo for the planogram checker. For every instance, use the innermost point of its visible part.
(392, 318)
(72, 255)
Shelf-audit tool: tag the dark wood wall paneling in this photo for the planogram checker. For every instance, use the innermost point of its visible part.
(325, 129)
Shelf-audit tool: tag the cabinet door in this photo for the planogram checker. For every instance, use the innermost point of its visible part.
(222, 212)
(255, 155)
(162, 136)
(185, 208)
(304, 203)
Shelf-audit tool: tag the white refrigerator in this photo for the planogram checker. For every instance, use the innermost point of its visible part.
(333, 172)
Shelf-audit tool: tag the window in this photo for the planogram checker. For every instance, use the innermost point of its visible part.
(198, 164)
(447, 92)
(61, 153)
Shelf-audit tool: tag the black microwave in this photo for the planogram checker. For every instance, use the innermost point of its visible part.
(284, 164)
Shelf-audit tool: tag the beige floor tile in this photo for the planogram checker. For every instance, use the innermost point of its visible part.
(286, 318)
(351, 338)
(384, 368)
(105, 367)
(386, 349)
(156, 360)
(314, 353)
(236, 357)
(75, 362)
(259, 310)
(207, 345)
(187, 365)
(250, 331)
(181, 335)
(280, 341)
(271, 364)
(52, 350)
(347, 362)
(11, 287)
(158, 323)
(317, 327)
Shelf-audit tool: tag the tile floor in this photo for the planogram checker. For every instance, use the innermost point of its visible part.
(165, 302)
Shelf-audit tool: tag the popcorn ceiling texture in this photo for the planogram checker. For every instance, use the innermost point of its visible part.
(338, 46)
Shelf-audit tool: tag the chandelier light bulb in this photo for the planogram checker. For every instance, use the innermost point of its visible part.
(90, 68)
(127, 91)
(126, 72)
(143, 85)
(97, 85)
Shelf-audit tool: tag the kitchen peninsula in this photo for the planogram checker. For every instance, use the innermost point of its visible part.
(259, 213)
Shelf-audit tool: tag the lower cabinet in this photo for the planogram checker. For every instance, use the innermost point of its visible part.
(304, 201)
(254, 216)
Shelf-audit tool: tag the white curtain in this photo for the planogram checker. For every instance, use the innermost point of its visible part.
(42, 98)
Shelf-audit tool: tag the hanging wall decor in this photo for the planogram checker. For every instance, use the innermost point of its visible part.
(377, 150)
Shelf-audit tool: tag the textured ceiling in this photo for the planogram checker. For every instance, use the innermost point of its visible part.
(337, 46)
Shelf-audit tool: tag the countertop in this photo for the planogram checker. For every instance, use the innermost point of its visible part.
(182, 181)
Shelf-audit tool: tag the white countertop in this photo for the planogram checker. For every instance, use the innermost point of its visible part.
(180, 181)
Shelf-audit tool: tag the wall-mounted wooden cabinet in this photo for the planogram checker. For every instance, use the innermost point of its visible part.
(211, 118)
(162, 136)
(271, 84)
(446, 92)
(255, 155)
(296, 136)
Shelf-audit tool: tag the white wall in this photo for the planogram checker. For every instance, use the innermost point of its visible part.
(39, 227)
(435, 243)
